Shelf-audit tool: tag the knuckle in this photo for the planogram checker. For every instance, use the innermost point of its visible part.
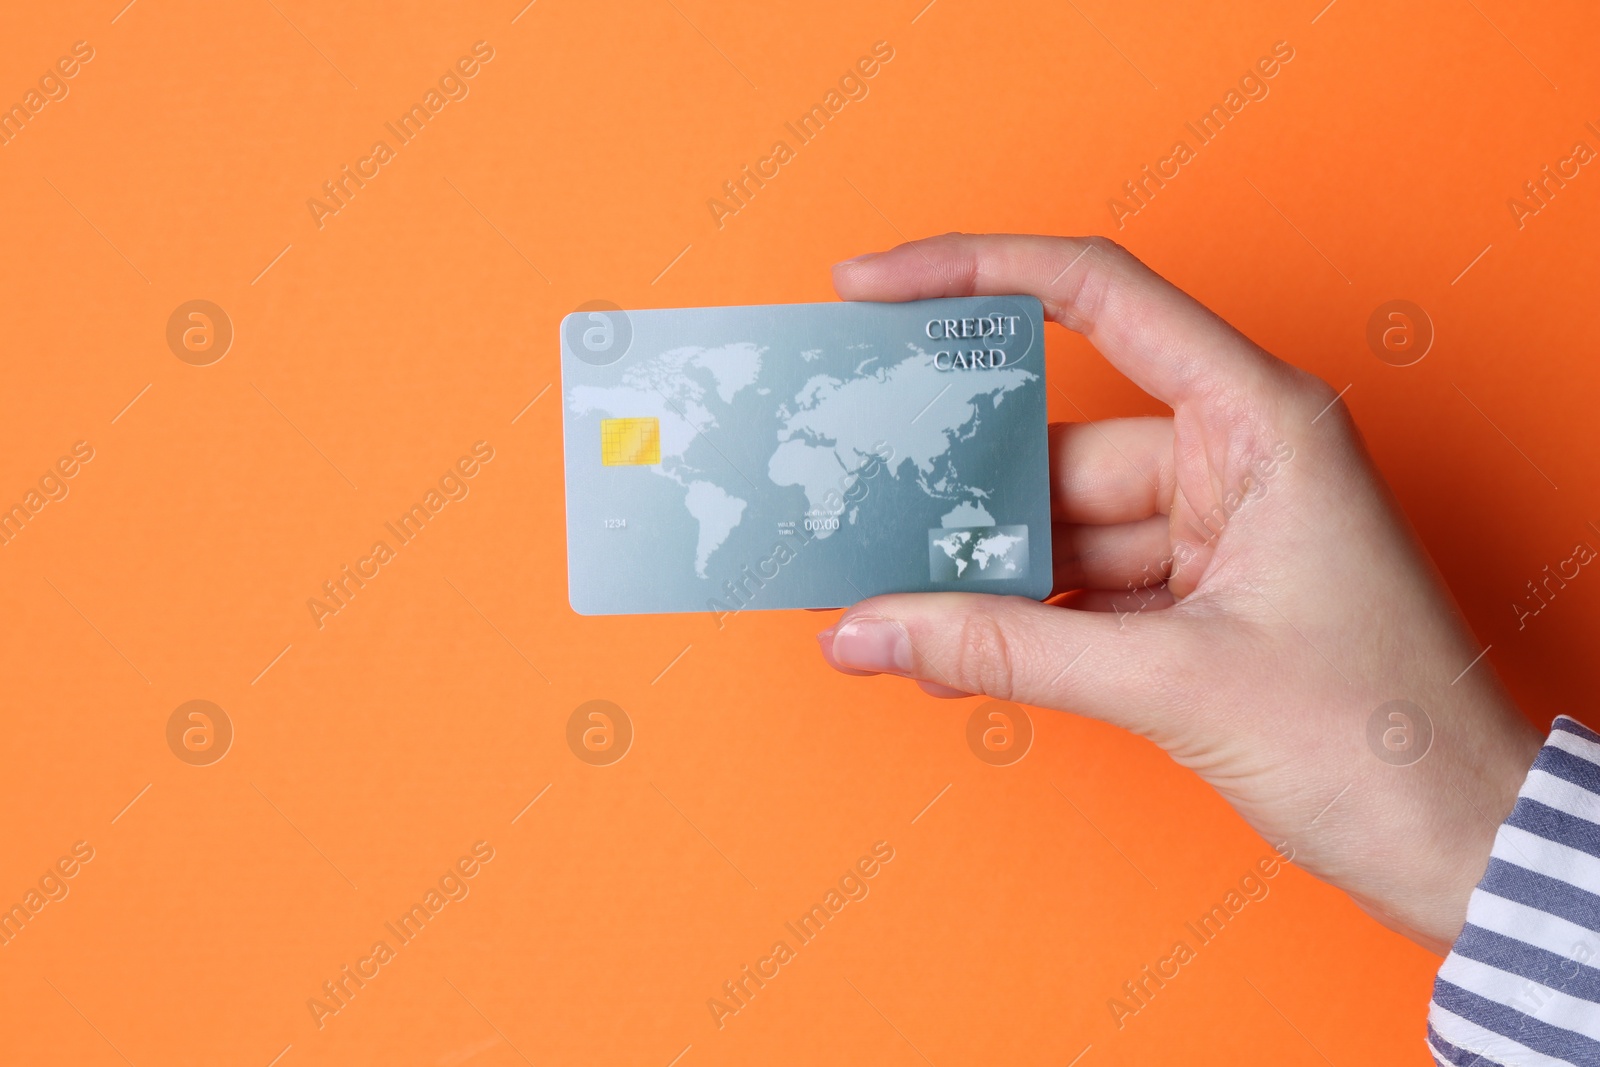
(1106, 246)
(1099, 267)
(1309, 389)
(1307, 397)
(985, 656)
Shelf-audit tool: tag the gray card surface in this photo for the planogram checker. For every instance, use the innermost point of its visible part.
(804, 455)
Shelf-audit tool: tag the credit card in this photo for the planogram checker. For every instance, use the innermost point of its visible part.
(804, 455)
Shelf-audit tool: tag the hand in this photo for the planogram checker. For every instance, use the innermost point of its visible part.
(1243, 590)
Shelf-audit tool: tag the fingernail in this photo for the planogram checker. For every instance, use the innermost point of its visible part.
(858, 259)
(872, 645)
(825, 646)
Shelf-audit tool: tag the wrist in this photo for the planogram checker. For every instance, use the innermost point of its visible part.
(1476, 791)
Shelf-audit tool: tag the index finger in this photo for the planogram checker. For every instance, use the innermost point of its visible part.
(1167, 342)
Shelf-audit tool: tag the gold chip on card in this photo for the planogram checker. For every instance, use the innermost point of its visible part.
(630, 442)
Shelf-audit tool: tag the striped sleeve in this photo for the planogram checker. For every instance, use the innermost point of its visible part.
(1521, 986)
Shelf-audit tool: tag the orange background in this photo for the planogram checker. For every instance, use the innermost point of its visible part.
(370, 353)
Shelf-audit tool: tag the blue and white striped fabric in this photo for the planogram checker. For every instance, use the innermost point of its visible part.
(1521, 987)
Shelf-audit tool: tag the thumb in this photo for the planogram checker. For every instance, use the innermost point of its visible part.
(1101, 664)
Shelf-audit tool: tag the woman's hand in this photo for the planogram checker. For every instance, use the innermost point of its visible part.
(1245, 592)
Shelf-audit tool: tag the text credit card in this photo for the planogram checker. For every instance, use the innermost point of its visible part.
(804, 455)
